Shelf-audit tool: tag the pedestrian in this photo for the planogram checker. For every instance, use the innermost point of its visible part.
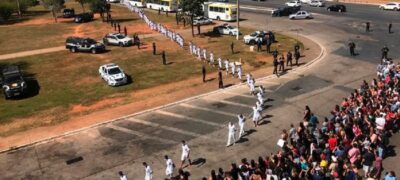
(390, 28)
(185, 154)
(148, 171)
(268, 44)
(220, 80)
(119, 28)
(122, 176)
(367, 26)
(203, 70)
(282, 63)
(259, 44)
(252, 86)
(231, 134)
(232, 48)
(385, 51)
(276, 63)
(256, 116)
(233, 67)
(169, 170)
(275, 54)
(205, 54)
(219, 63)
(352, 46)
(184, 22)
(154, 48)
(108, 17)
(297, 48)
(125, 31)
(159, 11)
(239, 70)
(137, 42)
(212, 59)
(227, 66)
(241, 123)
(115, 25)
(164, 60)
(260, 98)
(297, 57)
(289, 59)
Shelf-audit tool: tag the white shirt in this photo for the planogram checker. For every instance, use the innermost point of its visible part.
(149, 173)
(232, 129)
(123, 177)
(170, 166)
(241, 120)
(185, 149)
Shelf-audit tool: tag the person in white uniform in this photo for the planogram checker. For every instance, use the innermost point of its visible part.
(212, 59)
(248, 78)
(256, 116)
(259, 107)
(261, 90)
(239, 70)
(260, 98)
(122, 176)
(252, 86)
(148, 172)
(233, 66)
(191, 48)
(226, 66)
(205, 54)
(169, 170)
(231, 134)
(185, 154)
(219, 63)
(198, 53)
(241, 123)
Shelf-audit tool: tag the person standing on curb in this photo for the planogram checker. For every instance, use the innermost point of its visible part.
(231, 134)
(276, 63)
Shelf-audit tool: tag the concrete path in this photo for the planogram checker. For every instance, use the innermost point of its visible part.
(31, 53)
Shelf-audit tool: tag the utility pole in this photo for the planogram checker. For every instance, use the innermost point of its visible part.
(237, 18)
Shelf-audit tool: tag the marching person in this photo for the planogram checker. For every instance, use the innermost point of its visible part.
(261, 90)
(148, 172)
(259, 107)
(169, 170)
(227, 66)
(289, 59)
(198, 53)
(248, 78)
(239, 70)
(282, 63)
(231, 134)
(122, 176)
(211, 59)
(256, 116)
(220, 80)
(203, 70)
(191, 47)
(154, 48)
(233, 66)
(185, 154)
(260, 98)
(241, 123)
(219, 63)
(252, 86)
(205, 54)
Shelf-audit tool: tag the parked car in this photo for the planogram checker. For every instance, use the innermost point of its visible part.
(256, 36)
(113, 1)
(117, 39)
(337, 8)
(77, 44)
(12, 82)
(285, 11)
(113, 74)
(83, 17)
(317, 3)
(226, 29)
(69, 13)
(300, 15)
(305, 1)
(293, 3)
(390, 6)
(201, 20)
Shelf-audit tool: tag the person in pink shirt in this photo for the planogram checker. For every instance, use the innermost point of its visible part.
(354, 154)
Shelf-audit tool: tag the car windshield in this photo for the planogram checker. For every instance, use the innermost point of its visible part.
(12, 78)
(254, 34)
(113, 71)
(230, 27)
(120, 36)
(91, 41)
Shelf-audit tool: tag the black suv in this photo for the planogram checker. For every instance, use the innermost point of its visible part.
(68, 13)
(12, 82)
(75, 44)
(337, 8)
(285, 11)
(83, 17)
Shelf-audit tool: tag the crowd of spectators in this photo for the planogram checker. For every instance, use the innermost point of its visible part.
(348, 144)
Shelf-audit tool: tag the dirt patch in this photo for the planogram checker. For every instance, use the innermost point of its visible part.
(78, 109)
(87, 81)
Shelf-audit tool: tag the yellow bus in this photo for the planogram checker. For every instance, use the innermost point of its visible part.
(137, 3)
(163, 5)
(220, 11)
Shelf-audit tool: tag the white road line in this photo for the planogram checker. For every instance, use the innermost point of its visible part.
(239, 94)
(208, 109)
(229, 102)
(188, 118)
(132, 119)
(256, 8)
(146, 136)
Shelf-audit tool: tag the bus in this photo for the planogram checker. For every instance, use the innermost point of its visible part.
(137, 3)
(220, 11)
(163, 5)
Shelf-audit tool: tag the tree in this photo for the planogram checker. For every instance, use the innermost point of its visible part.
(82, 3)
(54, 6)
(6, 10)
(98, 6)
(192, 7)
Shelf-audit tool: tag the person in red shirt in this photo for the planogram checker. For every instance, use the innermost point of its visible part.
(332, 141)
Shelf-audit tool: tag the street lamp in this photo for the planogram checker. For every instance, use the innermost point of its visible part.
(237, 18)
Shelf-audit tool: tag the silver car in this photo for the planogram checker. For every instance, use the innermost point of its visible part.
(301, 15)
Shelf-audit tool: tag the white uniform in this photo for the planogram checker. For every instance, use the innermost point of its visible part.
(233, 66)
(241, 125)
(260, 98)
(198, 53)
(231, 134)
(123, 177)
(185, 152)
(239, 72)
(170, 167)
(190, 48)
(259, 107)
(149, 173)
(211, 58)
(261, 90)
(252, 86)
(256, 115)
(220, 63)
(248, 78)
(205, 54)
(226, 66)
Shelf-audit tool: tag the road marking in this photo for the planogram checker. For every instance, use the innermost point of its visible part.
(208, 109)
(256, 8)
(229, 102)
(132, 119)
(188, 118)
(129, 131)
(238, 94)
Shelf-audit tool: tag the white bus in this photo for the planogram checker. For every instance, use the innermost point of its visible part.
(137, 3)
(220, 11)
(163, 5)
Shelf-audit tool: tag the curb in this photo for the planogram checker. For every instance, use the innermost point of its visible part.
(70, 133)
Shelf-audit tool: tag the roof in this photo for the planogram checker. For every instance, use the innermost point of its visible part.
(111, 65)
(220, 4)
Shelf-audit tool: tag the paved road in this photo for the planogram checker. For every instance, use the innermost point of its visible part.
(125, 143)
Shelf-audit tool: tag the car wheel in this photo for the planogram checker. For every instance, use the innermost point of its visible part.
(121, 44)
(218, 18)
(252, 42)
(105, 42)
(230, 33)
(339, 10)
(5, 95)
(395, 9)
(73, 49)
(292, 18)
(329, 9)
(94, 51)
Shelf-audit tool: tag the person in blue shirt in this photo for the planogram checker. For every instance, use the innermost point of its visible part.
(390, 176)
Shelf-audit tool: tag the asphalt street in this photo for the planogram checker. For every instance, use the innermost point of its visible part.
(125, 143)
